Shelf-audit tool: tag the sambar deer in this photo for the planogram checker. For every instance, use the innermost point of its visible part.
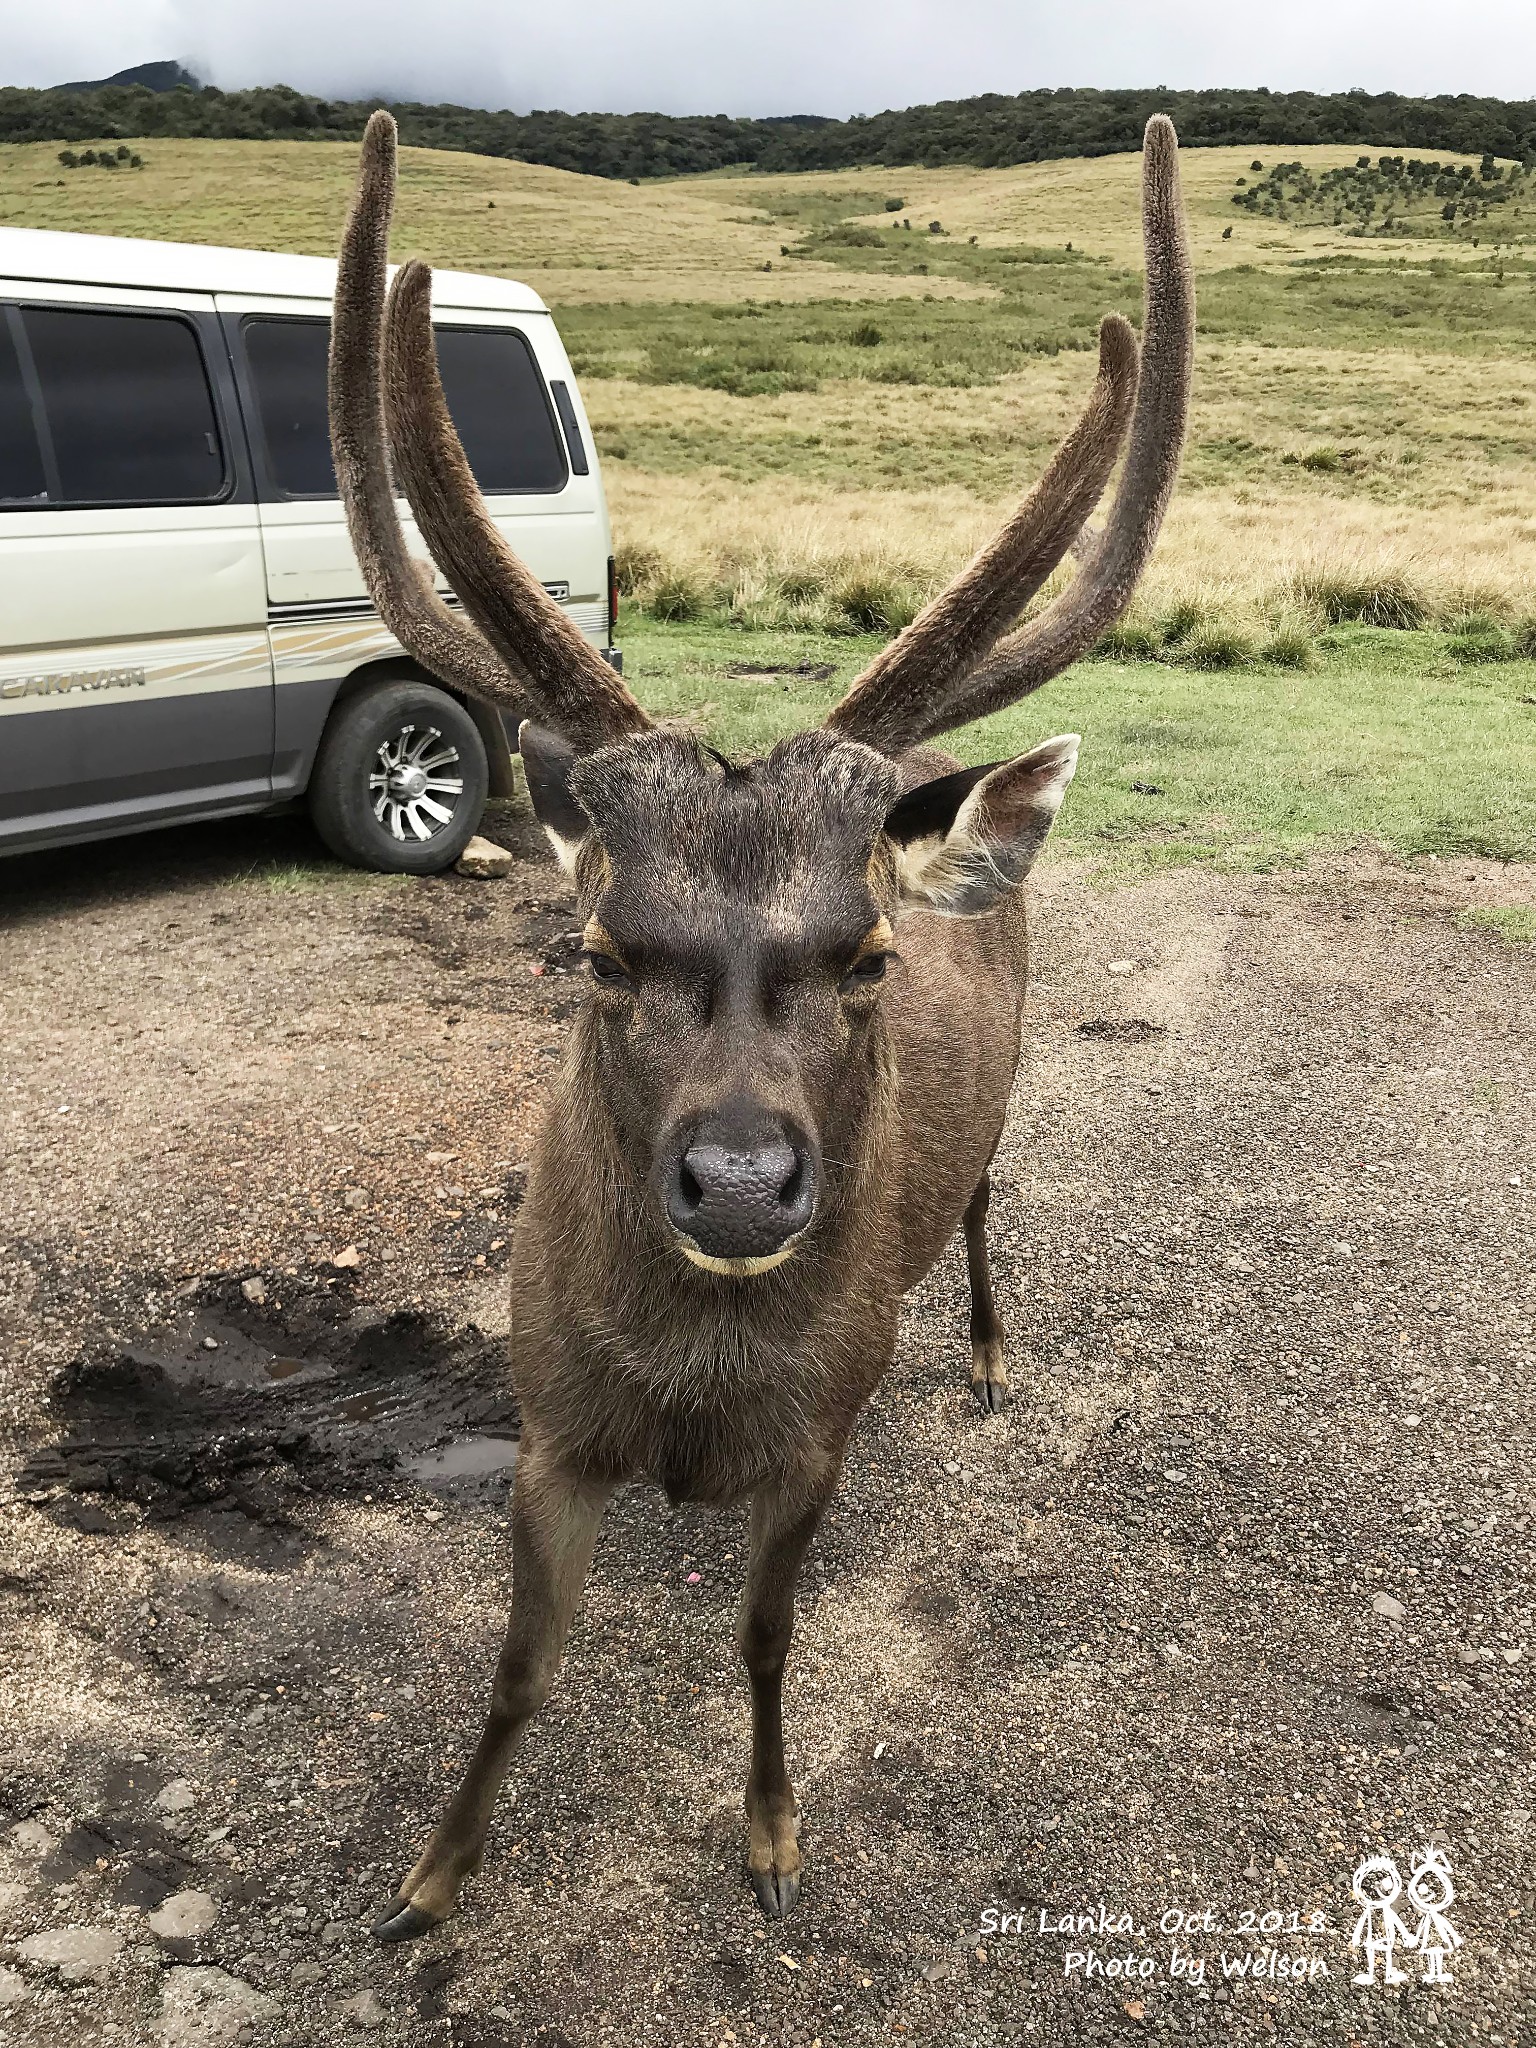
(789, 1074)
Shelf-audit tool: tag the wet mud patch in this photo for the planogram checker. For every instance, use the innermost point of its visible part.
(267, 1389)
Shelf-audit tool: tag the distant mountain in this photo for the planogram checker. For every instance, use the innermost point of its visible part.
(162, 77)
(994, 129)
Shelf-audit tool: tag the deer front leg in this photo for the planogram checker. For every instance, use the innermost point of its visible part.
(784, 1519)
(555, 1518)
(989, 1373)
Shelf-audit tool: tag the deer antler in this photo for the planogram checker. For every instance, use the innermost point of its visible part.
(399, 585)
(576, 691)
(947, 667)
(531, 652)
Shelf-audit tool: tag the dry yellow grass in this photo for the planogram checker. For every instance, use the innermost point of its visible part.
(1433, 455)
(575, 239)
(1240, 560)
(1441, 476)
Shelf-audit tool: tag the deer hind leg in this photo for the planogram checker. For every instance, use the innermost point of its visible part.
(555, 1520)
(989, 1373)
(784, 1520)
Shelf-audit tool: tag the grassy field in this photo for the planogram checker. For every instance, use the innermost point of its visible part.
(810, 413)
(1388, 739)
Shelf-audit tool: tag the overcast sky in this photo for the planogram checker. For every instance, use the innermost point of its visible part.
(791, 56)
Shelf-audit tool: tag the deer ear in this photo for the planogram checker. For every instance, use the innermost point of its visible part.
(964, 841)
(547, 763)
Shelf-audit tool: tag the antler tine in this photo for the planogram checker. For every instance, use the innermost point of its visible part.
(399, 585)
(574, 689)
(902, 695)
(1102, 589)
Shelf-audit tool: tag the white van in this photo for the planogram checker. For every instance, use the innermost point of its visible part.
(184, 631)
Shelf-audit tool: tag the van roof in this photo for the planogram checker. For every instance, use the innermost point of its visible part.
(43, 255)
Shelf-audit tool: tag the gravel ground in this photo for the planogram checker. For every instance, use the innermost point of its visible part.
(1238, 1594)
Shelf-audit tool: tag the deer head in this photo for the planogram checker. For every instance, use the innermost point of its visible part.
(744, 922)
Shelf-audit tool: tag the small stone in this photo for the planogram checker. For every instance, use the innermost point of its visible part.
(345, 1261)
(333, 1931)
(175, 1797)
(1511, 1656)
(13, 1986)
(306, 1973)
(34, 1840)
(1175, 1477)
(484, 861)
(204, 2007)
(365, 2010)
(254, 1290)
(355, 1198)
(79, 1954)
(1383, 1603)
(210, 1343)
(1122, 966)
(184, 1916)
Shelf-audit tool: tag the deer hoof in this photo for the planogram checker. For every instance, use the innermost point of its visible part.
(401, 1921)
(989, 1376)
(776, 1891)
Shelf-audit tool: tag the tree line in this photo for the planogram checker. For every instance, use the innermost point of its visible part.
(992, 130)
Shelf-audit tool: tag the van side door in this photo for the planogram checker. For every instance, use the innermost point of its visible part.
(135, 671)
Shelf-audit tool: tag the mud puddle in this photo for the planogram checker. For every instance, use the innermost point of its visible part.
(263, 1388)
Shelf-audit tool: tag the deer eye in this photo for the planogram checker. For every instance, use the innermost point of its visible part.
(606, 969)
(866, 972)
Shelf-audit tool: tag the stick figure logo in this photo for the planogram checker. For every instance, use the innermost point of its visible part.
(1379, 1932)
(1430, 1892)
(1376, 1885)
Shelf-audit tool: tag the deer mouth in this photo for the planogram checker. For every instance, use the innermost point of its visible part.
(737, 1269)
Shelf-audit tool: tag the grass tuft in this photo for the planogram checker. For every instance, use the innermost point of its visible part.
(1213, 646)
(1291, 641)
(1387, 598)
(1515, 923)
(676, 598)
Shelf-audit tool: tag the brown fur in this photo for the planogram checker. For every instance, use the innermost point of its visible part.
(741, 917)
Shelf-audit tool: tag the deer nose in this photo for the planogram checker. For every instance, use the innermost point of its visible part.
(738, 1198)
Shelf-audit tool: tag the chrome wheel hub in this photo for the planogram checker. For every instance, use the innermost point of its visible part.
(414, 782)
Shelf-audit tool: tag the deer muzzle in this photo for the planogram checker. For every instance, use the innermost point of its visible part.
(739, 1190)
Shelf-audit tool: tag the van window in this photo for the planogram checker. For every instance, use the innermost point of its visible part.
(22, 481)
(118, 405)
(496, 396)
(492, 383)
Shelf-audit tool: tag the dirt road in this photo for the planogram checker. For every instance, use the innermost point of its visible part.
(1238, 1595)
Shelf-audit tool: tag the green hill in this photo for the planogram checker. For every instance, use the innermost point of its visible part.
(989, 131)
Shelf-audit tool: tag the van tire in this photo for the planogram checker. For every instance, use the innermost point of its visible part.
(378, 747)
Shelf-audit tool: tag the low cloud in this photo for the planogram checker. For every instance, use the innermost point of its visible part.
(795, 56)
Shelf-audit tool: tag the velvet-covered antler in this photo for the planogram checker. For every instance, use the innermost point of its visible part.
(952, 665)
